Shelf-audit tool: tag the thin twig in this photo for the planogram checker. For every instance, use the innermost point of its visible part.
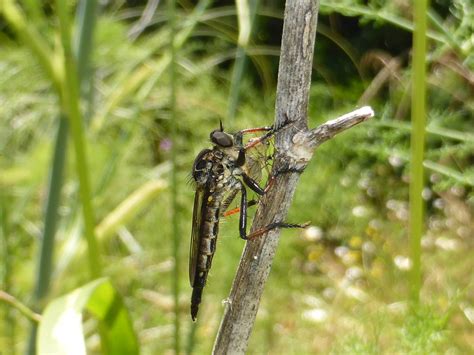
(12, 301)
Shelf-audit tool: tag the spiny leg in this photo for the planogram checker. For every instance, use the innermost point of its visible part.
(274, 225)
(253, 184)
(225, 205)
(271, 130)
(243, 213)
(237, 209)
(257, 129)
(268, 228)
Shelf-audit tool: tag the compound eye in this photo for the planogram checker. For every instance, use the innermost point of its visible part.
(222, 139)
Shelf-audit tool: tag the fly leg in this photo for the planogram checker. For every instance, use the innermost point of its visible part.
(274, 225)
(257, 129)
(237, 209)
(243, 213)
(225, 205)
(271, 130)
(240, 134)
(259, 232)
(254, 186)
(272, 178)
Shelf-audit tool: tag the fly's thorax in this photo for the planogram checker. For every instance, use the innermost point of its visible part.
(231, 153)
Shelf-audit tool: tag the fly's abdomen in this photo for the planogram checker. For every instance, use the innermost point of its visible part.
(207, 246)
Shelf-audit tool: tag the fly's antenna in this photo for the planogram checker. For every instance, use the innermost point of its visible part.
(221, 125)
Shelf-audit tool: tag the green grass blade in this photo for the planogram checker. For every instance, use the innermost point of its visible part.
(44, 270)
(374, 14)
(83, 44)
(417, 144)
(45, 259)
(70, 101)
(431, 129)
(8, 325)
(174, 175)
(449, 172)
(246, 15)
(51, 216)
(21, 307)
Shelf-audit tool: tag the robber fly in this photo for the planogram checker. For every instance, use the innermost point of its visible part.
(220, 174)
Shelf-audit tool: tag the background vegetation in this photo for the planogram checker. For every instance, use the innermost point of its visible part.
(94, 182)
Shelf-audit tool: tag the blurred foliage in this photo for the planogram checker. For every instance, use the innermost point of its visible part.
(342, 285)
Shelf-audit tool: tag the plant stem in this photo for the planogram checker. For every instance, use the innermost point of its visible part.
(174, 178)
(83, 44)
(12, 301)
(239, 66)
(417, 144)
(51, 216)
(70, 102)
(8, 325)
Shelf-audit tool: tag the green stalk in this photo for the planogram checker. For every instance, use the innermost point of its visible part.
(15, 303)
(83, 43)
(239, 67)
(191, 340)
(237, 73)
(8, 325)
(45, 260)
(376, 14)
(417, 144)
(83, 49)
(70, 102)
(174, 178)
(51, 215)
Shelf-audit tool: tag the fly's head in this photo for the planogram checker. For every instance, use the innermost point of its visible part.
(220, 138)
(230, 145)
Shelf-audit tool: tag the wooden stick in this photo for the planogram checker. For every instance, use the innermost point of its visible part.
(294, 148)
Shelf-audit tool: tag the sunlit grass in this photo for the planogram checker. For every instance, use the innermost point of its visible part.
(344, 293)
(417, 216)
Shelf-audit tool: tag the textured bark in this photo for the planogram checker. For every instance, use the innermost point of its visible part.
(294, 148)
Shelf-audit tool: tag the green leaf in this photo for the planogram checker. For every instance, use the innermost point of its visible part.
(61, 332)
(244, 18)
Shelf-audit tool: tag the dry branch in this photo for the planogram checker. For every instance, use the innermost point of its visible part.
(295, 145)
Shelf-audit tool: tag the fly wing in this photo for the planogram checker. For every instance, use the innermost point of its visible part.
(258, 160)
(196, 233)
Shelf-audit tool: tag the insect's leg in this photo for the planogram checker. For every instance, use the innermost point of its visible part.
(257, 129)
(253, 184)
(271, 226)
(271, 130)
(259, 140)
(225, 205)
(243, 213)
(271, 179)
(237, 209)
